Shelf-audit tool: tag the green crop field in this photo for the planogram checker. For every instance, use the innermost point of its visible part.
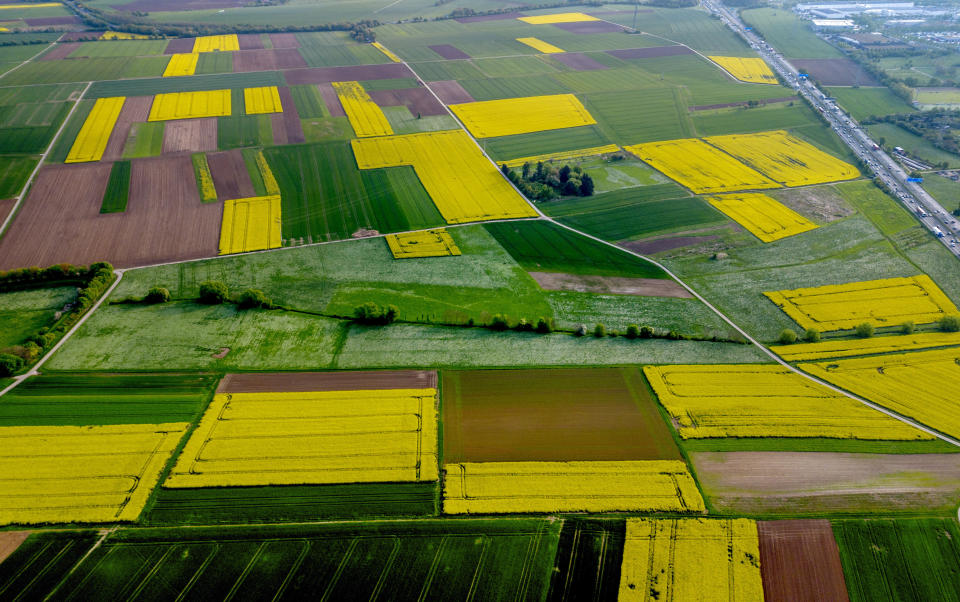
(513, 87)
(889, 216)
(589, 555)
(789, 34)
(92, 69)
(340, 56)
(51, 553)
(239, 131)
(145, 140)
(894, 135)
(862, 103)
(113, 48)
(945, 190)
(14, 172)
(23, 313)
(118, 189)
(629, 118)
(162, 85)
(528, 145)
(39, 93)
(209, 63)
(445, 70)
(308, 101)
(743, 120)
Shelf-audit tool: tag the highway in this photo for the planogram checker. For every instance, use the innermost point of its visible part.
(936, 219)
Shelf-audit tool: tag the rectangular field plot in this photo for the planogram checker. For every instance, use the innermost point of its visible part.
(886, 302)
(753, 70)
(690, 559)
(799, 560)
(92, 140)
(181, 64)
(858, 346)
(557, 18)
(765, 401)
(490, 118)
(598, 486)
(763, 216)
(365, 116)
(538, 44)
(83, 474)
(430, 243)
(190, 105)
(226, 42)
(24, 312)
(285, 438)
(250, 224)
(265, 99)
(587, 565)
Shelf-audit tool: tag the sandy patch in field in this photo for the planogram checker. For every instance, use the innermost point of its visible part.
(10, 541)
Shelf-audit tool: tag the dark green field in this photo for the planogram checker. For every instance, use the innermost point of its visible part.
(14, 172)
(40, 564)
(160, 85)
(239, 131)
(118, 188)
(588, 560)
(528, 145)
(23, 313)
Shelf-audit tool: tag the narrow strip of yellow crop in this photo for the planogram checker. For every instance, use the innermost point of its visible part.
(563, 155)
(386, 51)
(121, 35)
(763, 216)
(250, 224)
(753, 70)
(489, 118)
(247, 439)
(765, 401)
(460, 180)
(365, 116)
(690, 559)
(503, 487)
(92, 140)
(208, 192)
(557, 18)
(30, 5)
(269, 180)
(228, 42)
(428, 243)
(181, 64)
(265, 99)
(874, 345)
(540, 45)
(189, 105)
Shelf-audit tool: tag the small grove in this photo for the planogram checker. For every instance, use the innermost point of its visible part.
(545, 182)
(865, 330)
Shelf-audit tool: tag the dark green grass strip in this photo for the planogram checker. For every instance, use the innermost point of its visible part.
(160, 85)
(647, 218)
(118, 189)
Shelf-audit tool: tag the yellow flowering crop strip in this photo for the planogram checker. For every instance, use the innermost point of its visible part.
(921, 384)
(563, 155)
(269, 180)
(208, 192)
(490, 118)
(462, 182)
(428, 243)
(885, 302)
(765, 401)
(874, 345)
(785, 158)
(763, 216)
(557, 18)
(753, 70)
(250, 224)
(365, 116)
(92, 140)
(181, 64)
(30, 5)
(690, 559)
(225, 43)
(60, 474)
(322, 437)
(190, 105)
(700, 167)
(504, 487)
(265, 99)
(540, 45)
(122, 35)
(386, 52)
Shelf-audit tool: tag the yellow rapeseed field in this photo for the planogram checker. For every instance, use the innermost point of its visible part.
(208, 192)
(885, 302)
(250, 224)
(753, 70)
(540, 45)
(181, 64)
(557, 18)
(189, 105)
(121, 35)
(765, 401)
(700, 167)
(265, 99)
(323, 437)
(269, 180)
(563, 155)
(504, 487)
(763, 216)
(690, 559)
(60, 474)
(920, 384)
(874, 345)
(428, 243)
(785, 158)
(386, 51)
(95, 133)
(228, 42)
(365, 116)
(29, 5)
(462, 182)
(509, 116)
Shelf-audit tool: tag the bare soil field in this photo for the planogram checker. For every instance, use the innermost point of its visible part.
(744, 103)
(190, 135)
(6, 205)
(449, 52)
(552, 415)
(267, 60)
(650, 53)
(822, 204)
(284, 40)
(299, 382)
(279, 129)
(179, 45)
(450, 92)
(657, 245)
(290, 118)
(230, 175)
(758, 482)
(322, 75)
(482, 18)
(136, 109)
(578, 61)
(10, 541)
(835, 72)
(331, 99)
(799, 560)
(418, 100)
(249, 41)
(610, 285)
(60, 51)
(587, 27)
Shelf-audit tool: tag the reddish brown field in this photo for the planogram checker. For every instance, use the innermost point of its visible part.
(321, 75)
(588, 27)
(284, 40)
(552, 415)
(6, 205)
(179, 5)
(418, 100)
(230, 175)
(331, 99)
(658, 245)
(610, 285)
(290, 118)
(60, 51)
(190, 135)
(800, 561)
(279, 129)
(578, 62)
(649, 53)
(449, 52)
(451, 92)
(299, 382)
(482, 18)
(835, 72)
(267, 60)
(250, 41)
(179, 45)
(10, 541)
(136, 109)
(60, 220)
(80, 36)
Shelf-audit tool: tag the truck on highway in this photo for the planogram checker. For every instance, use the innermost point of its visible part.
(938, 232)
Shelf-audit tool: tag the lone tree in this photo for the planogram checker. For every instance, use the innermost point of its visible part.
(253, 298)
(157, 294)
(864, 330)
(812, 335)
(950, 323)
(787, 336)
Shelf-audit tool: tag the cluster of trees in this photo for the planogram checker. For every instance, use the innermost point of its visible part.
(865, 330)
(545, 181)
(936, 126)
(214, 292)
(374, 314)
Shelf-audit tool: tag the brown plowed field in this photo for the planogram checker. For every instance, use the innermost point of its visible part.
(230, 175)
(482, 18)
(578, 62)
(60, 51)
(610, 285)
(267, 60)
(588, 27)
(10, 541)
(60, 220)
(552, 415)
(800, 561)
(80, 36)
(758, 482)
(293, 128)
(250, 41)
(835, 72)
(284, 40)
(451, 92)
(6, 205)
(418, 100)
(279, 129)
(322, 75)
(328, 381)
(190, 135)
(449, 52)
(136, 109)
(179, 46)
(650, 53)
(179, 5)
(658, 245)
(331, 99)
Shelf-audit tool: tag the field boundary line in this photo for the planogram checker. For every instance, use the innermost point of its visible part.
(103, 536)
(15, 67)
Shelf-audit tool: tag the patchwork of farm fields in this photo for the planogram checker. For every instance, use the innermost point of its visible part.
(459, 304)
